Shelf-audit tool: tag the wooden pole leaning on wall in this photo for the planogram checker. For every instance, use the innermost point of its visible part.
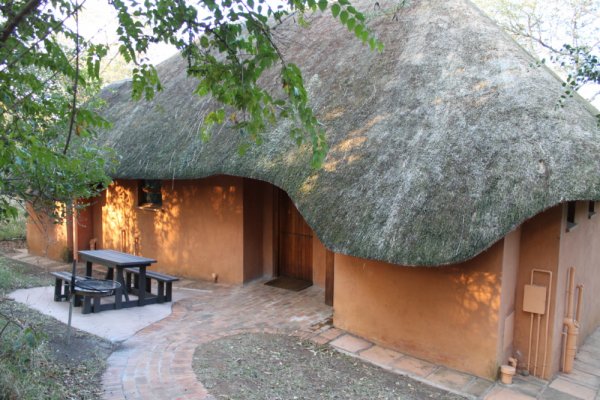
(571, 323)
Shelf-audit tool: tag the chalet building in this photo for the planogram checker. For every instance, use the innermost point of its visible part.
(454, 200)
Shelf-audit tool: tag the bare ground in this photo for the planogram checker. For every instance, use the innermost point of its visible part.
(76, 366)
(9, 246)
(263, 366)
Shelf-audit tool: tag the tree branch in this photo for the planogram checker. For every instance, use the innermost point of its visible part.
(10, 26)
(75, 83)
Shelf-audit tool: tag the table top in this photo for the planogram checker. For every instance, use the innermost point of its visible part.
(115, 258)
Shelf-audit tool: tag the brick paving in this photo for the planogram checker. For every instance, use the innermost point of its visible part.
(157, 362)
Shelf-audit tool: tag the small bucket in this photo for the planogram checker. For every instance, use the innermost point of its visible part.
(506, 374)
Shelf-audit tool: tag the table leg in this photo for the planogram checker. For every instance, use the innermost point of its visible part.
(96, 304)
(142, 286)
(122, 291)
(88, 268)
(87, 305)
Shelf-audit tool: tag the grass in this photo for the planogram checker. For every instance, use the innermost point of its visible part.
(13, 229)
(16, 275)
(23, 361)
(35, 360)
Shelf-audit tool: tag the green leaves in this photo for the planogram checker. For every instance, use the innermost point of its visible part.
(335, 10)
(37, 79)
(354, 20)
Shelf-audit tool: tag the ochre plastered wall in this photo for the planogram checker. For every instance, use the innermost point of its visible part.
(447, 315)
(539, 249)
(580, 248)
(198, 232)
(48, 239)
(510, 268)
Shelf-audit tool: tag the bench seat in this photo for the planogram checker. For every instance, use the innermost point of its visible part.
(164, 283)
(62, 284)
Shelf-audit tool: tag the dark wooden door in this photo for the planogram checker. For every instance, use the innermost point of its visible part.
(295, 241)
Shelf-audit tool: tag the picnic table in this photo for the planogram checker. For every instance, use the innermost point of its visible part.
(116, 262)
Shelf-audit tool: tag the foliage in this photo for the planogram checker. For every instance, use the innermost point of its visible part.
(583, 66)
(14, 228)
(563, 32)
(48, 72)
(42, 160)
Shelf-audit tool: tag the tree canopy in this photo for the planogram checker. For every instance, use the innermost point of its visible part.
(49, 74)
(560, 33)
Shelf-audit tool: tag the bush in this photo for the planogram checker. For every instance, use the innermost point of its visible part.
(13, 228)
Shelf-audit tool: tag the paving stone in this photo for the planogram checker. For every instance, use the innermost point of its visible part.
(504, 393)
(573, 389)
(587, 368)
(414, 366)
(19, 256)
(478, 387)
(588, 357)
(583, 378)
(529, 385)
(450, 378)
(380, 356)
(332, 333)
(553, 394)
(350, 343)
(320, 340)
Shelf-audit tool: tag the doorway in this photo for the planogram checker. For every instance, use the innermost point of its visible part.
(295, 241)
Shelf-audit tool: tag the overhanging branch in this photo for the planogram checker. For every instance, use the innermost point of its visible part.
(10, 25)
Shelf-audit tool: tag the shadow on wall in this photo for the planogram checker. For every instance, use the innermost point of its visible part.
(478, 295)
(193, 233)
(119, 219)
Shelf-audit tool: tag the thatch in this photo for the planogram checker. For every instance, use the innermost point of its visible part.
(440, 145)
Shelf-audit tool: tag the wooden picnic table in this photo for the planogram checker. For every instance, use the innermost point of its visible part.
(118, 261)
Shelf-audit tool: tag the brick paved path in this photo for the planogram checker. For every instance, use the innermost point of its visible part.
(157, 362)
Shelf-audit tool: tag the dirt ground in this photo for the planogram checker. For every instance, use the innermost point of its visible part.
(76, 366)
(9, 246)
(263, 366)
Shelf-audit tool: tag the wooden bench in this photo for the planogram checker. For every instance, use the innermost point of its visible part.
(62, 284)
(163, 282)
(62, 290)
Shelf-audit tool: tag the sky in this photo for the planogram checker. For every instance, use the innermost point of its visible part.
(98, 21)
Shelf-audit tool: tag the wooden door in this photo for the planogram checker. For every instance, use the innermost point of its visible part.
(295, 241)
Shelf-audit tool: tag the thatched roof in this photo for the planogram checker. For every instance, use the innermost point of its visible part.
(440, 145)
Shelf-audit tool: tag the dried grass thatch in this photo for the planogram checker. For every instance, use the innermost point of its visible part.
(439, 146)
